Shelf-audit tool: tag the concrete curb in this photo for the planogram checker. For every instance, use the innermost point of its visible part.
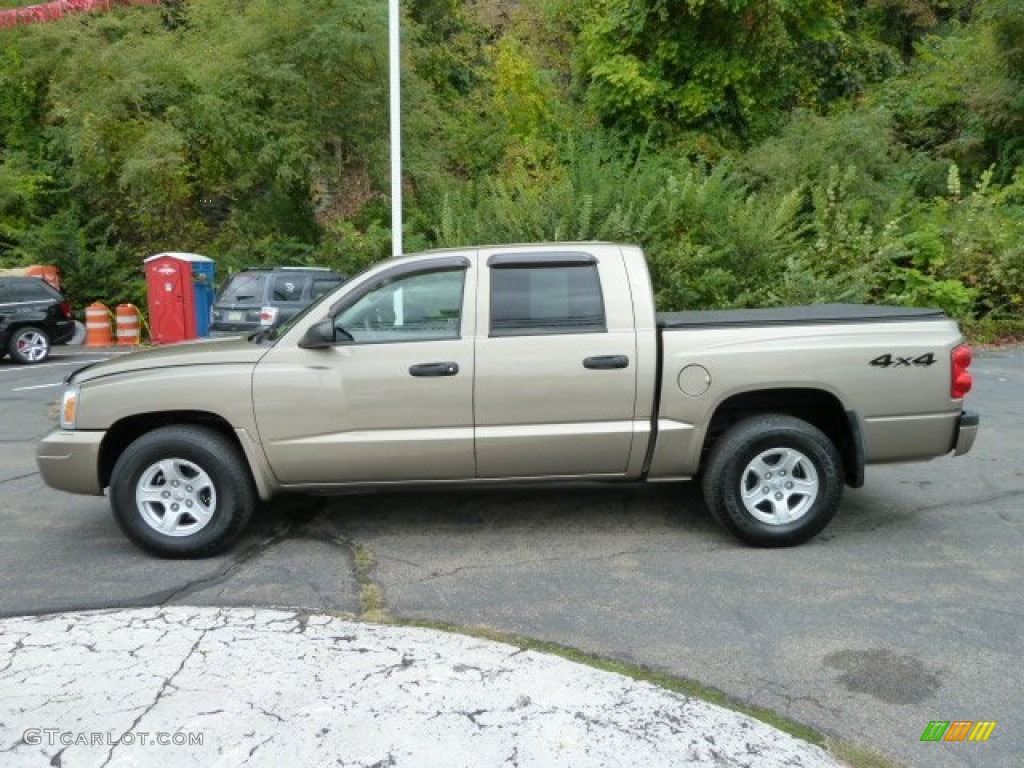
(184, 686)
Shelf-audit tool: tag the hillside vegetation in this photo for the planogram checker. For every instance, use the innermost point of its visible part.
(762, 153)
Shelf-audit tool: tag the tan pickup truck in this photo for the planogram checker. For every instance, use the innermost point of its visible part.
(514, 363)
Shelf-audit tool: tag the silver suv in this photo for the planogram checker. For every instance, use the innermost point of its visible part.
(256, 299)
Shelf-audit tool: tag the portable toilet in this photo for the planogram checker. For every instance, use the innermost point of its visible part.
(204, 281)
(179, 289)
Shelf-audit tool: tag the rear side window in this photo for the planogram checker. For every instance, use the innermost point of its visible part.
(287, 287)
(536, 299)
(243, 288)
(26, 290)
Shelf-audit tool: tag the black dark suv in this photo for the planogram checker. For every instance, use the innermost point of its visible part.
(33, 317)
(255, 299)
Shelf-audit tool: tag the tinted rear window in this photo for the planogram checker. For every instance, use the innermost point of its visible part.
(28, 289)
(243, 288)
(546, 299)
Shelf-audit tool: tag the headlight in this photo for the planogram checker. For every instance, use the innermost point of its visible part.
(69, 408)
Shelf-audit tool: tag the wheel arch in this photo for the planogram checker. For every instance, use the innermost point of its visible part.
(129, 429)
(818, 407)
(20, 322)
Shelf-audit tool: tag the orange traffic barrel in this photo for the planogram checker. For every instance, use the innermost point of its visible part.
(127, 325)
(97, 325)
(47, 272)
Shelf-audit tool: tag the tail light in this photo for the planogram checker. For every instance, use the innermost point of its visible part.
(268, 315)
(65, 308)
(960, 382)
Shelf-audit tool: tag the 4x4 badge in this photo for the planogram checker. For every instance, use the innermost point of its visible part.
(892, 361)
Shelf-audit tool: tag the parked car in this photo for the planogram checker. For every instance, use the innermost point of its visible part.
(33, 317)
(256, 299)
(514, 363)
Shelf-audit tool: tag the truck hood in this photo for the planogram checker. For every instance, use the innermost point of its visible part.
(221, 351)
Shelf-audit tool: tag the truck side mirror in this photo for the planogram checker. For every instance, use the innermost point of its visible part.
(322, 335)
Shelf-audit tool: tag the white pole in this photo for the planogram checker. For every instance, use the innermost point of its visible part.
(394, 66)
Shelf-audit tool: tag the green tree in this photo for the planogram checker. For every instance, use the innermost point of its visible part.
(962, 100)
(731, 66)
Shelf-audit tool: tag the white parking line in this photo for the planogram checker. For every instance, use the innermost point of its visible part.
(27, 368)
(38, 386)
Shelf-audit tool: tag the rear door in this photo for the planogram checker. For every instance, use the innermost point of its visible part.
(556, 373)
(9, 304)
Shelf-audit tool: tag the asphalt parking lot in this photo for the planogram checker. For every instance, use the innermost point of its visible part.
(909, 608)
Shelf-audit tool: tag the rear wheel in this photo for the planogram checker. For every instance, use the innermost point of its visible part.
(29, 346)
(182, 491)
(774, 480)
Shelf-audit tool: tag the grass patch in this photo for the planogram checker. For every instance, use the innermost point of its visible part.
(371, 597)
(858, 757)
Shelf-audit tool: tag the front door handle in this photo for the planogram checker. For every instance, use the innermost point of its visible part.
(434, 369)
(605, 362)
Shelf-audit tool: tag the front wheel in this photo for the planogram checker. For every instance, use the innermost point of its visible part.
(29, 346)
(182, 491)
(774, 480)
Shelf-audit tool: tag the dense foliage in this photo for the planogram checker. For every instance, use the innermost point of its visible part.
(762, 153)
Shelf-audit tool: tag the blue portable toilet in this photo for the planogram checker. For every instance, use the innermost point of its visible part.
(204, 282)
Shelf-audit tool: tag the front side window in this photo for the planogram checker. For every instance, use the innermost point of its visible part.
(424, 306)
(540, 299)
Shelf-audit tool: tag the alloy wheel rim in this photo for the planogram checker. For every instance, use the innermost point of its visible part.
(32, 346)
(779, 486)
(176, 497)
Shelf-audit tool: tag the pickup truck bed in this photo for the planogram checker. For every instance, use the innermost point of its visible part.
(818, 314)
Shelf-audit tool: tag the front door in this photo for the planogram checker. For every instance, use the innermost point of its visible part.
(392, 399)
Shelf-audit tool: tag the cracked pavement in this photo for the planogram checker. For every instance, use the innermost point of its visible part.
(319, 690)
(907, 609)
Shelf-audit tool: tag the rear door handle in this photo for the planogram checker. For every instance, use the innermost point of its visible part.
(606, 362)
(434, 369)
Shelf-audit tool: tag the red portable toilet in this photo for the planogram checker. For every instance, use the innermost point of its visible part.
(172, 311)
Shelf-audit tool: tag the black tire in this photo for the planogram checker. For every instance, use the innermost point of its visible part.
(212, 500)
(29, 345)
(773, 480)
